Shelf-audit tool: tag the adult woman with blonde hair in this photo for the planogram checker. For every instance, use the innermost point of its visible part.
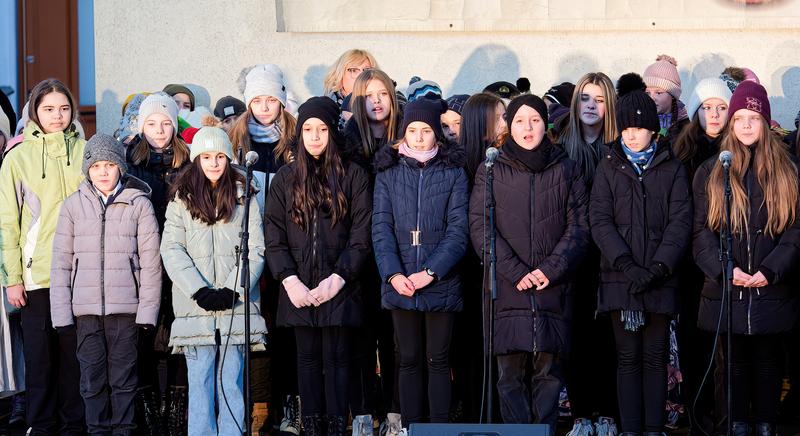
(766, 233)
(342, 74)
(588, 127)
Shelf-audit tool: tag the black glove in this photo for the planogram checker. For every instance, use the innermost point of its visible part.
(66, 329)
(660, 272)
(227, 298)
(639, 277)
(205, 298)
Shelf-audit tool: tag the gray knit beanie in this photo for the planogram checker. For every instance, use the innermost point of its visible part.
(102, 147)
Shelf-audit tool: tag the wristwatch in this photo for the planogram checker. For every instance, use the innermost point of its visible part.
(430, 272)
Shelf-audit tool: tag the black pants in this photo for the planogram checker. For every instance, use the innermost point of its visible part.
(107, 356)
(642, 373)
(414, 329)
(54, 403)
(528, 386)
(323, 349)
(757, 377)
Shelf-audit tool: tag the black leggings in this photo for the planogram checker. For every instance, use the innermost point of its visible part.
(411, 329)
(757, 377)
(318, 348)
(642, 372)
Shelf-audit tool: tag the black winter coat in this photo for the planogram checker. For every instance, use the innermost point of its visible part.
(648, 217)
(158, 173)
(323, 250)
(541, 223)
(433, 199)
(771, 309)
(267, 161)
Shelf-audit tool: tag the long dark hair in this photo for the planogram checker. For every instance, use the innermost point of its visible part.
(685, 146)
(358, 107)
(204, 202)
(477, 129)
(318, 183)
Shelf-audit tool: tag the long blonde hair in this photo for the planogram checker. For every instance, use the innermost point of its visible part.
(358, 106)
(775, 173)
(572, 137)
(333, 79)
(240, 136)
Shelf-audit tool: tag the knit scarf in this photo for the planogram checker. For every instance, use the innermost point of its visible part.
(264, 134)
(420, 156)
(534, 160)
(640, 159)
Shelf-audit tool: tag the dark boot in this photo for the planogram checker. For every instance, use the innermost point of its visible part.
(163, 413)
(629, 433)
(764, 429)
(652, 433)
(177, 419)
(313, 425)
(337, 425)
(146, 410)
(741, 429)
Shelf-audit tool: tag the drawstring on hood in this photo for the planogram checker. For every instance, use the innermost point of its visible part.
(67, 135)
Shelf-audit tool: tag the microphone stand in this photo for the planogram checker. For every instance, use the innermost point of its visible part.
(244, 251)
(490, 204)
(726, 236)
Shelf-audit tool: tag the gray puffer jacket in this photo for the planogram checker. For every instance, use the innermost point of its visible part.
(198, 255)
(105, 257)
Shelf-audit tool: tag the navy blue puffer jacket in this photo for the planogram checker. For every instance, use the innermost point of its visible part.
(433, 199)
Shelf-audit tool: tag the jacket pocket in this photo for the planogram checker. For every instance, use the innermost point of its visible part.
(74, 275)
(133, 274)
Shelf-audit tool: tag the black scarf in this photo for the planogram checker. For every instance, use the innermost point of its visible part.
(534, 160)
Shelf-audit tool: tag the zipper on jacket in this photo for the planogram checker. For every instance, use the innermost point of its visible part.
(133, 274)
(644, 222)
(314, 232)
(532, 208)
(419, 244)
(102, 259)
(30, 262)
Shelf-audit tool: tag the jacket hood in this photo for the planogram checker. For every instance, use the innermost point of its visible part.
(132, 188)
(557, 154)
(450, 154)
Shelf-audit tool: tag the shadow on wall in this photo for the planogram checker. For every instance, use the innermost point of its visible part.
(572, 67)
(110, 107)
(487, 64)
(314, 77)
(785, 108)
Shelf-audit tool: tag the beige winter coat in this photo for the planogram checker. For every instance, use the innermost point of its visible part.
(105, 258)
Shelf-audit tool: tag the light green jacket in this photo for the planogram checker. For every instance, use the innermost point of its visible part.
(198, 255)
(36, 177)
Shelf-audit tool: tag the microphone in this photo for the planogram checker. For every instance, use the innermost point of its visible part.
(250, 159)
(726, 157)
(491, 156)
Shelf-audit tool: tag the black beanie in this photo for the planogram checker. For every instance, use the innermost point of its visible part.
(229, 106)
(525, 100)
(427, 110)
(561, 93)
(318, 107)
(637, 109)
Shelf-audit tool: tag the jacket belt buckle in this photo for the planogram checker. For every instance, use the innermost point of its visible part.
(416, 238)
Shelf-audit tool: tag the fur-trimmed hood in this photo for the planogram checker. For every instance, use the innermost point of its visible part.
(450, 154)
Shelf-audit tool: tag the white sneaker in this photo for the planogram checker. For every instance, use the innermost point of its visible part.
(391, 426)
(362, 425)
(290, 424)
(582, 427)
(605, 426)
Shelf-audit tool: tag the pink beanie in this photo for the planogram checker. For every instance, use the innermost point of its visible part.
(664, 74)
